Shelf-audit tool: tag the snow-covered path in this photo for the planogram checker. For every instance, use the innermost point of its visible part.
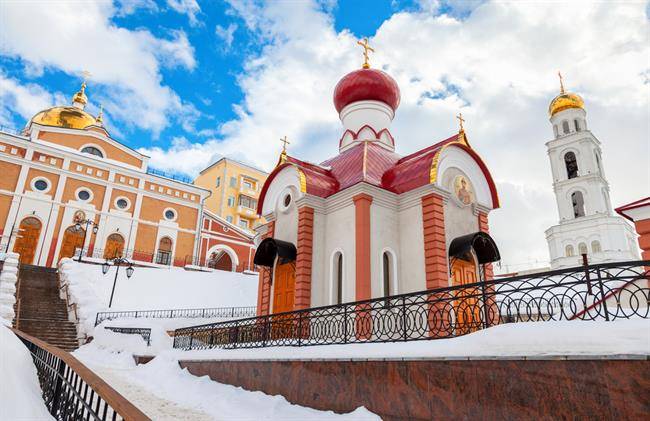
(155, 407)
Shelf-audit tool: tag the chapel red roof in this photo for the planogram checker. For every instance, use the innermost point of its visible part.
(374, 164)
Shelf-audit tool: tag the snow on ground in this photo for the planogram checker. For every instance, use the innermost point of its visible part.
(557, 338)
(164, 391)
(20, 394)
(152, 288)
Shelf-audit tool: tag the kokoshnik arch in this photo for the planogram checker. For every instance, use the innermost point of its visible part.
(367, 222)
(64, 168)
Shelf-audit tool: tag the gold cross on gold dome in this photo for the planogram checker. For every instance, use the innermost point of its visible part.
(285, 142)
(461, 120)
(366, 48)
(561, 82)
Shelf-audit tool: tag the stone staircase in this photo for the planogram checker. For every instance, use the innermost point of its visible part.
(40, 312)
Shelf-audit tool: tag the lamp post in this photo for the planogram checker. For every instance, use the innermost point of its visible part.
(78, 227)
(118, 261)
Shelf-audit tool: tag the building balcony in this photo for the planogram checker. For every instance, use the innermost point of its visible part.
(246, 212)
(247, 191)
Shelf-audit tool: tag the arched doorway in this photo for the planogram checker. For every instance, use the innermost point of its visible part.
(114, 246)
(27, 239)
(220, 260)
(164, 254)
(73, 238)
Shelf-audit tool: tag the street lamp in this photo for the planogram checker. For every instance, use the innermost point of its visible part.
(78, 227)
(117, 262)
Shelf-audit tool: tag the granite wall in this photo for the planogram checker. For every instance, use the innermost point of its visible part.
(442, 389)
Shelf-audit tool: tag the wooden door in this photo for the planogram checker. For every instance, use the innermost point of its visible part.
(27, 239)
(467, 305)
(114, 246)
(73, 238)
(284, 288)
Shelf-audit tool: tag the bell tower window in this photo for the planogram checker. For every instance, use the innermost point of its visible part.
(577, 125)
(571, 165)
(578, 204)
(565, 127)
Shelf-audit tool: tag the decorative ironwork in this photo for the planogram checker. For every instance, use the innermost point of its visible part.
(188, 313)
(71, 391)
(144, 332)
(597, 292)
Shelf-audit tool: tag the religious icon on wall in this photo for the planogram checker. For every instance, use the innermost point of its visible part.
(78, 216)
(463, 190)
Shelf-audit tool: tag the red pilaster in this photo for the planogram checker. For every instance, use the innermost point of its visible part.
(304, 257)
(264, 287)
(435, 252)
(484, 226)
(362, 245)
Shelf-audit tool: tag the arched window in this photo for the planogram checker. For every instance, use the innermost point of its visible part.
(576, 124)
(565, 127)
(568, 251)
(571, 164)
(582, 248)
(578, 204)
(92, 151)
(164, 255)
(595, 246)
(600, 171)
(338, 277)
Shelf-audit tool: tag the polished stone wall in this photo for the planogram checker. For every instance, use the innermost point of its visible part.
(441, 389)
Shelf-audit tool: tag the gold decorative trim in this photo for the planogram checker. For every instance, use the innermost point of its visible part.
(303, 180)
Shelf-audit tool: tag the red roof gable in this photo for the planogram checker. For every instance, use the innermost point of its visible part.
(371, 163)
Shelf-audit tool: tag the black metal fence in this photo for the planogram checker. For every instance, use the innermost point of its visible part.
(144, 332)
(71, 391)
(597, 292)
(188, 313)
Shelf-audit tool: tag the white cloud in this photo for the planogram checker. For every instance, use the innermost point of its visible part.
(187, 7)
(21, 99)
(129, 62)
(128, 7)
(227, 35)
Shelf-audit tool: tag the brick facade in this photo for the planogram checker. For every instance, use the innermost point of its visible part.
(264, 288)
(435, 253)
(304, 257)
(484, 227)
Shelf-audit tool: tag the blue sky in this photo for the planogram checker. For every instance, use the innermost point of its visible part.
(189, 81)
(211, 87)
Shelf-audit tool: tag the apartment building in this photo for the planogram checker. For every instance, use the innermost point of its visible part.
(235, 188)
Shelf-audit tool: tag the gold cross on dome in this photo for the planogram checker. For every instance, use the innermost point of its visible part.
(86, 75)
(561, 82)
(366, 47)
(285, 142)
(461, 120)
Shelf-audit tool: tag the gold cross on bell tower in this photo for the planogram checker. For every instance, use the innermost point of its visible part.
(461, 120)
(366, 47)
(561, 82)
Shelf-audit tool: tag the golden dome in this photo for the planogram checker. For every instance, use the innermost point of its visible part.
(565, 100)
(80, 96)
(68, 117)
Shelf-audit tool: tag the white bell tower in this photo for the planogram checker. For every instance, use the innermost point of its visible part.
(587, 223)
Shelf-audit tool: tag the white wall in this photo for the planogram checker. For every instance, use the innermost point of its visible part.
(412, 276)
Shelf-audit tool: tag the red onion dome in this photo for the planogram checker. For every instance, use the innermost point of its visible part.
(366, 84)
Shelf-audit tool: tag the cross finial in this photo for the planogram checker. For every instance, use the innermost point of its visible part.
(366, 47)
(461, 120)
(285, 142)
(561, 82)
(86, 75)
(100, 116)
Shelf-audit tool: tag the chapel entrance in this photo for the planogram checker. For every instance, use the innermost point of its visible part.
(220, 260)
(114, 246)
(284, 288)
(73, 238)
(27, 239)
(466, 306)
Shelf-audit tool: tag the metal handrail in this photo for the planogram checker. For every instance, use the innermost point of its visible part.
(71, 391)
(142, 331)
(442, 312)
(189, 313)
